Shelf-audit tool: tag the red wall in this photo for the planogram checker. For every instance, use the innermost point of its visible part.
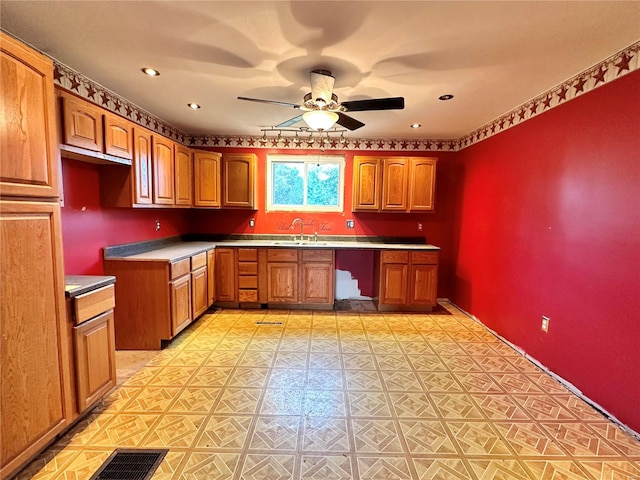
(548, 223)
(86, 232)
(436, 226)
(87, 227)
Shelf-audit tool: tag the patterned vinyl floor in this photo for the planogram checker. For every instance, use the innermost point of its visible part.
(345, 395)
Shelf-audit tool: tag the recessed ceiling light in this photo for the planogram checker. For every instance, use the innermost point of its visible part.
(152, 72)
(195, 106)
(448, 96)
(415, 125)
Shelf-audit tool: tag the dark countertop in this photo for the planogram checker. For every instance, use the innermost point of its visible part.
(78, 284)
(175, 248)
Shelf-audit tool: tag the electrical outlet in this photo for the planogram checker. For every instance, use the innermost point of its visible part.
(350, 224)
(252, 222)
(419, 226)
(157, 225)
(545, 324)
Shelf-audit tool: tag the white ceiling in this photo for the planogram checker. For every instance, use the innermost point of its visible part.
(493, 56)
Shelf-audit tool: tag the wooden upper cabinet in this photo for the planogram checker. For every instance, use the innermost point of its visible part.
(142, 169)
(366, 183)
(238, 180)
(118, 136)
(163, 171)
(422, 184)
(206, 179)
(394, 184)
(82, 123)
(28, 164)
(183, 173)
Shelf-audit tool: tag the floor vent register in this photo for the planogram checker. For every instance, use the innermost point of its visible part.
(128, 464)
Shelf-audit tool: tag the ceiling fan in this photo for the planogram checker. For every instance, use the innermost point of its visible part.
(322, 109)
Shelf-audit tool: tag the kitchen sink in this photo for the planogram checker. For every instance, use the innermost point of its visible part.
(303, 243)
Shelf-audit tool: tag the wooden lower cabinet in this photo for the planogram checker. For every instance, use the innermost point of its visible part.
(226, 290)
(423, 284)
(35, 367)
(180, 304)
(200, 293)
(393, 283)
(406, 280)
(211, 276)
(301, 277)
(157, 299)
(94, 342)
(282, 282)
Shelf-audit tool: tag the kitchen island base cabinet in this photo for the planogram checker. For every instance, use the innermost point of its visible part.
(405, 280)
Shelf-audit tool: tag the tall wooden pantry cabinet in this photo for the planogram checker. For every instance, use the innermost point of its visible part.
(34, 351)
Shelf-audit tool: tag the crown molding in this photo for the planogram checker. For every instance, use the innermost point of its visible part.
(617, 65)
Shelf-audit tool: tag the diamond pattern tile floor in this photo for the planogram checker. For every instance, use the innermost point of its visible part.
(343, 395)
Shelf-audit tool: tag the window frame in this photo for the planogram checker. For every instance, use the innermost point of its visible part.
(305, 159)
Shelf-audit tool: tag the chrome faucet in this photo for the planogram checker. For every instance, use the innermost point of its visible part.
(296, 220)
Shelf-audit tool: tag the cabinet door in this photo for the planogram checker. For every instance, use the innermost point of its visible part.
(317, 283)
(423, 284)
(82, 124)
(163, 167)
(211, 276)
(206, 179)
(366, 183)
(238, 176)
(394, 184)
(118, 136)
(180, 304)
(226, 275)
(95, 354)
(200, 295)
(183, 175)
(28, 164)
(422, 184)
(282, 282)
(35, 401)
(141, 168)
(393, 283)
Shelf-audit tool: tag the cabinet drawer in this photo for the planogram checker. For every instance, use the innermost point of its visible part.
(180, 268)
(247, 254)
(248, 282)
(199, 260)
(425, 258)
(317, 255)
(94, 303)
(394, 256)
(248, 296)
(282, 255)
(247, 268)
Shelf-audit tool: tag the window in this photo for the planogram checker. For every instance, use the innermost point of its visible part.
(305, 183)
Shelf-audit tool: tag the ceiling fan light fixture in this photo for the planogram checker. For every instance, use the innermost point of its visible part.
(320, 120)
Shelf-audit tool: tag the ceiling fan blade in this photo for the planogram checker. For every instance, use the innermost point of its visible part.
(348, 122)
(322, 85)
(288, 123)
(394, 103)
(274, 102)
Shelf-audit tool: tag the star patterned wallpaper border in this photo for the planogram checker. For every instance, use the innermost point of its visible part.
(608, 70)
